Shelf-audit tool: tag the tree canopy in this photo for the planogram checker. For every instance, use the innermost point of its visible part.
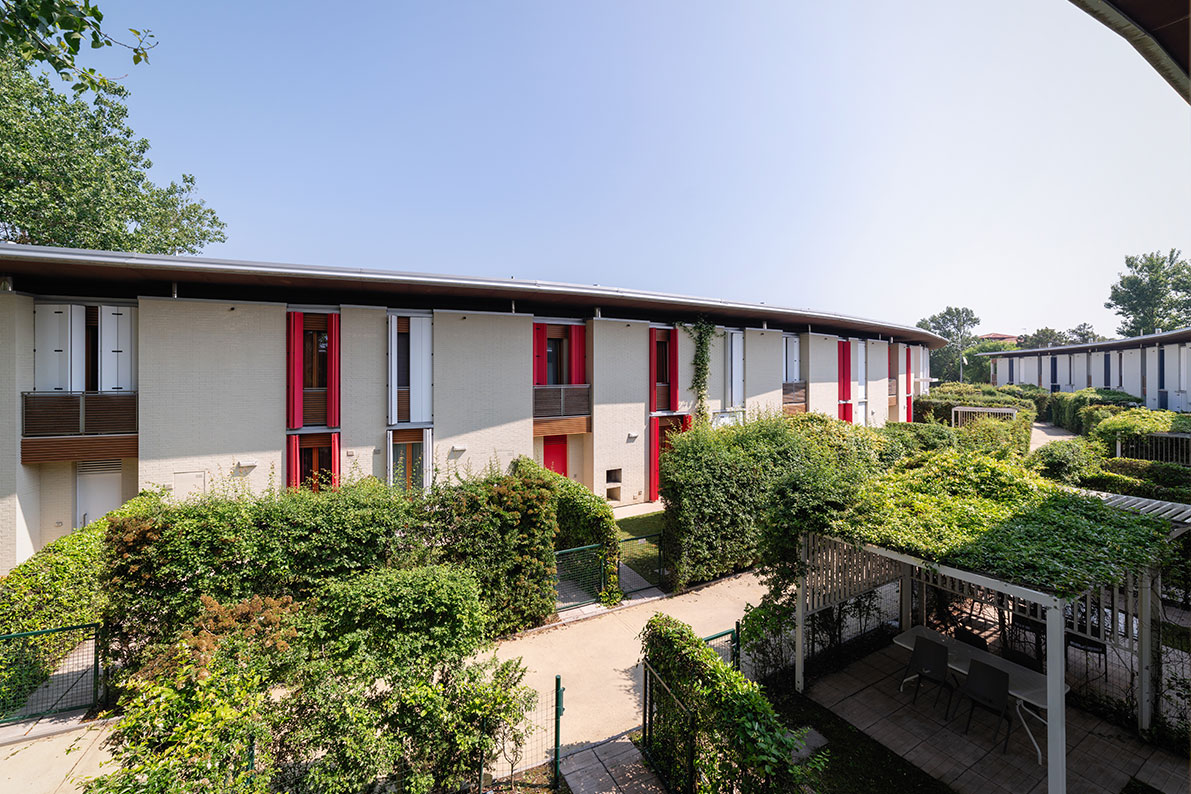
(1043, 337)
(1154, 294)
(956, 325)
(51, 32)
(73, 174)
(978, 369)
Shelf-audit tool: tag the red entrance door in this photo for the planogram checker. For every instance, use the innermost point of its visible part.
(554, 454)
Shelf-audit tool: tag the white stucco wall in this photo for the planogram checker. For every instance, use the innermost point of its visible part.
(58, 491)
(483, 382)
(1149, 358)
(212, 391)
(1002, 367)
(1027, 370)
(1079, 371)
(819, 359)
(364, 390)
(20, 497)
(620, 393)
(1131, 373)
(763, 360)
(716, 372)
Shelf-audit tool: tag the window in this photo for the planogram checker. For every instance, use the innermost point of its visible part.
(314, 359)
(312, 460)
(793, 358)
(314, 467)
(409, 458)
(409, 369)
(555, 363)
(84, 348)
(662, 359)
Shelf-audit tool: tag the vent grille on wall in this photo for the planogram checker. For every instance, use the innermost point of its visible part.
(99, 467)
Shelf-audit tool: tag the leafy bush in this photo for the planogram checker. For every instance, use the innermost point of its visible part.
(716, 483)
(1091, 416)
(56, 587)
(1162, 475)
(1140, 422)
(1065, 407)
(584, 519)
(996, 437)
(740, 744)
(918, 437)
(1145, 478)
(502, 529)
(998, 518)
(1069, 461)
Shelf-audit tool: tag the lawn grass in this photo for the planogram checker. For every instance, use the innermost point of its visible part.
(638, 526)
(856, 762)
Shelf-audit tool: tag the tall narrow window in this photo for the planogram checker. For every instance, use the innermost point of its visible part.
(409, 369)
(314, 359)
(555, 371)
(793, 359)
(407, 466)
(662, 367)
(317, 460)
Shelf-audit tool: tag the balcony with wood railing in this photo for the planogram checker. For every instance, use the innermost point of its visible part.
(561, 409)
(794, 397)
(77, 413)
(74, 426)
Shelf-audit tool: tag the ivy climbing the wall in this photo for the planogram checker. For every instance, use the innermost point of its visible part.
(702, 332)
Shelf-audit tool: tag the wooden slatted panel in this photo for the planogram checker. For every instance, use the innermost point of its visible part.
(576, 401)
(51, 414)
(839, 572)
(407, 436)
(314, 406)
(77, 448)
(547, 401)
(571, 400)
(556, 332)
(663, 397)
(563, 426)
(791, 410)
(312, 440)
(663, 334)
(403, 325)
(109, 413)
(403, 405)
(794, 393)
(314, 322)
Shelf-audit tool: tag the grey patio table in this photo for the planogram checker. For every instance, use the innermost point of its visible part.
(1026, 686)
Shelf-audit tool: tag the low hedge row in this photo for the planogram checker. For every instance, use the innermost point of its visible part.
(740, 744)
(1140, 422)
(58, 586)
(164, 556)
(1063, 408)
(938, 404)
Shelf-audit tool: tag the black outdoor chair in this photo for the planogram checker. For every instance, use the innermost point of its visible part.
(928, 662)
(988, 688)
(970, 638)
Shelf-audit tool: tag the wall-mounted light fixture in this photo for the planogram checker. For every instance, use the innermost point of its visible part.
(633, 437)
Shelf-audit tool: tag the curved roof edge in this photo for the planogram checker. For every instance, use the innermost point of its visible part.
(1165, 337)
(1152, 32)
(115, 265)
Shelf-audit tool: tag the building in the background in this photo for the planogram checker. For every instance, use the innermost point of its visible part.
(1154, 367)
(121, 372)
(997, 338)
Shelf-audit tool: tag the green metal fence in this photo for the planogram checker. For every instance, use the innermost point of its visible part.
(668, 733)
(49, 671)
(641, 563)
(580, 576)
(541, 745)
(727, 645)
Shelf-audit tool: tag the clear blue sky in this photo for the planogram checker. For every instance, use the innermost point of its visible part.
(873, 158)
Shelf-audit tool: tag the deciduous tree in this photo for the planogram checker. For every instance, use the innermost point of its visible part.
(1043, 337)
(956, 325)
(73, 174)
(1153, 294)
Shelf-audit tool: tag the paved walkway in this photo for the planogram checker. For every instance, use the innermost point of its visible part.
(598, 658)
(54, 764)
(1044, 433)
(615, 767)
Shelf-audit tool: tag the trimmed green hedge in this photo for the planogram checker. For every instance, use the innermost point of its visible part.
(716, 482)
(740, 744)
(58, 586)
(584, 519)
(1070, 460)
(1064, 407)
(1145, 478)
(1091, 416)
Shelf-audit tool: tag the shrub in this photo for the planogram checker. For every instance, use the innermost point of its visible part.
(740, 744)
(55, 588)
(919, 436)
(1091, 416)
(1065, 407)
(1145, 478)
(1068, 461)
(998, 438)
(503, 530)
(584, 519)
(716, 483)
(1162, 475)
(1140, 422)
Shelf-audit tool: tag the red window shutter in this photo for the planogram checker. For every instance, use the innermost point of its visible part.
(577, 337)
(687, 421)
(292, 462)
(333, 370)
(673, 347)
(539, 354)
(655, 454)
(844, 379)
(334, 460)
(909, 388)
(653, 374)
(293, 371)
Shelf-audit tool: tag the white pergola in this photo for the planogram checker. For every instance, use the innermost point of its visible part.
(837, 572)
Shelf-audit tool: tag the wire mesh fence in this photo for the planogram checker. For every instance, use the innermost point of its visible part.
(727, 645)
(641, 563)
(580, 576)
(668, 734)
(47, 672)
(840, 634)
(527, 755)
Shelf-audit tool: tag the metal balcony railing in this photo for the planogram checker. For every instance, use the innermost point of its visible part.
(568, 400)
(55, 413)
